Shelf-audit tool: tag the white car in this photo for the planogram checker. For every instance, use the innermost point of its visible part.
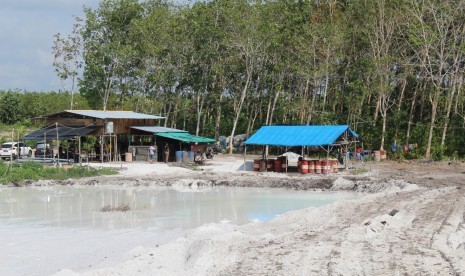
(11, 150)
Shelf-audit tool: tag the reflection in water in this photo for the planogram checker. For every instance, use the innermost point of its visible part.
(152, 207)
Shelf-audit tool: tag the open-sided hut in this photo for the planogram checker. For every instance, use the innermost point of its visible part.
(324, 137)
(111, 127)
(119, 133)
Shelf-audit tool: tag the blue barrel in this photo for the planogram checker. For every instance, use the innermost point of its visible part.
(185, 156)
(179, 156)
(191, 156)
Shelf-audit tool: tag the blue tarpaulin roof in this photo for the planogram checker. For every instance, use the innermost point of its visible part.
(299, 135)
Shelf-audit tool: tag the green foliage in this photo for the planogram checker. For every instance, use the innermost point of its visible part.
(358, 62)
(437, 153)
(18, 109)
(415, 154)
(15, 173)
(10, 111)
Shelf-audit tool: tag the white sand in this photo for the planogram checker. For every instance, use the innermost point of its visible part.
(337, 239)
(425, 237)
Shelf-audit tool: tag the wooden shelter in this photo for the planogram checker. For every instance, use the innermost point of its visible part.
(114, 122)
(109, 126)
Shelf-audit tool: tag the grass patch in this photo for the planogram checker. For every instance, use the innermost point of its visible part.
(14, 173)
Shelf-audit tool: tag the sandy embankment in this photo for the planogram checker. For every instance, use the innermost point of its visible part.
(402, 229)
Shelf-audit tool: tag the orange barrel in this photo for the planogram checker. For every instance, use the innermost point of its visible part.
(277, 165)
(283, 163)
(317, 166)
(325, 167)
(311, 166)
(299, 166)
(256, 165)
(304, 167)
(269, 165)
(335, 165)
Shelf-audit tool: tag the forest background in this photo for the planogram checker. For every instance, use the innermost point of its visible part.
(392, 70)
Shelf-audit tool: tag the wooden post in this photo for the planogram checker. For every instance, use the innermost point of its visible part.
(117, 154)
(245, 152)
(58, 143)
(79, 154)
(101, 148)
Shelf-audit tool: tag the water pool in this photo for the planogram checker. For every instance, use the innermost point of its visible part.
(87, 227)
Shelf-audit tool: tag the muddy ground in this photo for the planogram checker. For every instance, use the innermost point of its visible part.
(410, 223)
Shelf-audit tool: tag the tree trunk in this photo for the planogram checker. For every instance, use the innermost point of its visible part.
(434, 104)
(218, 117)
(412, 110)
(239, 109)
(450, 98)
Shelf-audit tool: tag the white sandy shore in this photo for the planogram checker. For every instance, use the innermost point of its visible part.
(403, 229)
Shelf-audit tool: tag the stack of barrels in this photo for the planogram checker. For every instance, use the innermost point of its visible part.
(256, 165)
(277, 165)
(260, 165)
(318, 166)
(325, 167)
(270, 165)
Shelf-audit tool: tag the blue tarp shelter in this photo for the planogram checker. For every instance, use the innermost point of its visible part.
(310, 136)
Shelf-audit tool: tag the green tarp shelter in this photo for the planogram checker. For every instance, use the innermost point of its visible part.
(185, 137)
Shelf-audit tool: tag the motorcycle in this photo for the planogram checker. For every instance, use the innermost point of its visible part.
(209, 153)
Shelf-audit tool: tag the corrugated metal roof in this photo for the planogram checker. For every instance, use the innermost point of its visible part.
(298, 135)
(186, 137)
(63, 133)
(156, 129)
(99, 114)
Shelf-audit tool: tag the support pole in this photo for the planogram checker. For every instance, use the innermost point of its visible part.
(79, 154)
(111, 150)
(58, 143)
(45, 149)
(245, 152)
(346, 153)
(101, 148)
(117, 153)
(286, 160)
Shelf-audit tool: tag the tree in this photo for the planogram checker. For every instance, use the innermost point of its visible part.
(10, 111)
(431, 38)
(108, 51)
(67, 58)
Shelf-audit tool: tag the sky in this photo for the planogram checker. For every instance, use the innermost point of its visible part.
(27, 28)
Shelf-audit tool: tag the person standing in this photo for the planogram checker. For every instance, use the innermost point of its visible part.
(167, 152)
(359, 153)
(152, 153)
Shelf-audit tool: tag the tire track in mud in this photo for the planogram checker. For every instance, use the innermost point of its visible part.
(345, 245)
(452, 227)
(405, 247)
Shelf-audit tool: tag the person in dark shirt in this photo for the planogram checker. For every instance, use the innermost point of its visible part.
(167, 153)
